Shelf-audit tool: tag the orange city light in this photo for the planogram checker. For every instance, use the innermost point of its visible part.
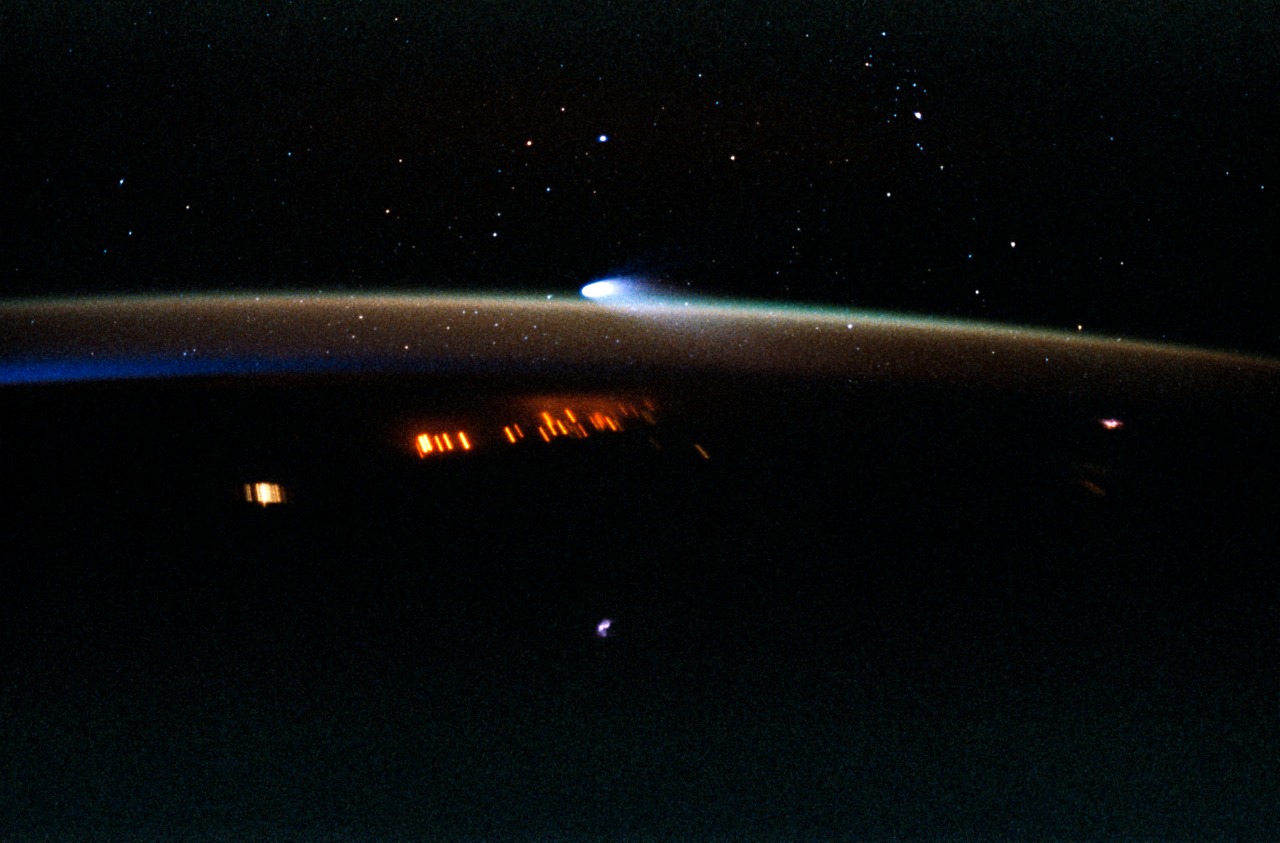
(438, 443)
(263, 493)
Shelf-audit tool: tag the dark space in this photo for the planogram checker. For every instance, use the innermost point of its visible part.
(1102, 165)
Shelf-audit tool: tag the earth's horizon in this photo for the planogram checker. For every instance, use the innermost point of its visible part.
(279, 333)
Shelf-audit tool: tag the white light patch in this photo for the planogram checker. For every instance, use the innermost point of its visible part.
(605, 289)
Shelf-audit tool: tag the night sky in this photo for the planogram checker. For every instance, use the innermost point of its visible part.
(1110, 165)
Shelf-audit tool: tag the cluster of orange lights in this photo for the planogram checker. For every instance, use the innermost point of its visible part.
(439, 443)
(567, 422)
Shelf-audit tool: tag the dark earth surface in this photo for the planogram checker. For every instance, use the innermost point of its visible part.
(842, 607)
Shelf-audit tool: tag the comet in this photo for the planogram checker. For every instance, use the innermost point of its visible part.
(606, 288)
(627, 291)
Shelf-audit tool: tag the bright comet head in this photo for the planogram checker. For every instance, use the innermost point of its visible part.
(607, 288)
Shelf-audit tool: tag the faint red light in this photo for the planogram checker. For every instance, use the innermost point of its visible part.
(1092, 488)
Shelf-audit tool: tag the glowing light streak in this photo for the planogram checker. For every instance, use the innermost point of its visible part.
(439, 443)
(264, 493)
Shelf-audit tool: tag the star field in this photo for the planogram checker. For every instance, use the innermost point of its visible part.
(1100, 168)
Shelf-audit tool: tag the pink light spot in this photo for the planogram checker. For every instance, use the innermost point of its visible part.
(602, 628)
(1111, 424)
